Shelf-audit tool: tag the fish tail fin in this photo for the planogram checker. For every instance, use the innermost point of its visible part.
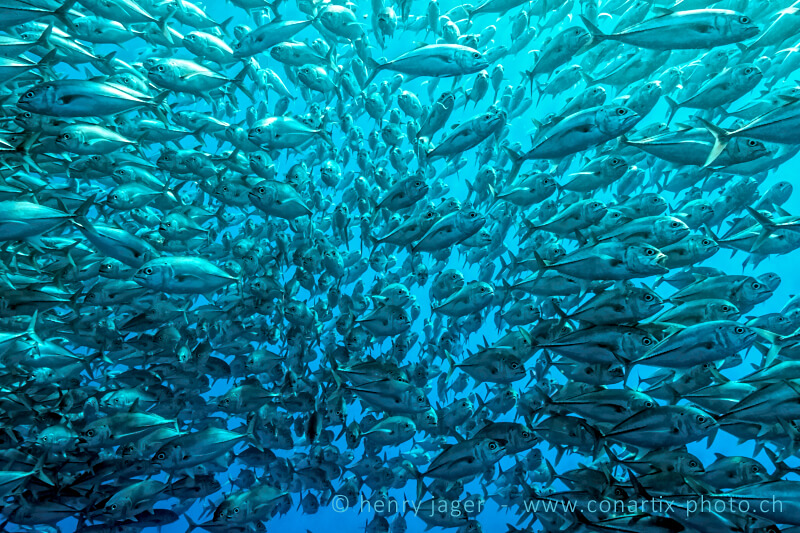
(516, 159)
(31, 331)
(223, 26)
(540, 87)
(542, 265)
(44, 38)
(62, 12)
(673, 108)
(157, 104)
(768, 228)
(452, 363)
(612, 457)
(239, 79)
(83, 209)
(761, 219)
(374, 68)
(531, 229)
(39, 474)
(273, 6)
(721, 140)
(560, 312)
(597, 34)
(588, 79)
(250, 434)
(45, 64)
(528, 74)
(422, 489)
(330, 59)
(192, 524)
(162, 23)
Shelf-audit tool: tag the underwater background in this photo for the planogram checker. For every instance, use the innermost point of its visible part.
(528, 111)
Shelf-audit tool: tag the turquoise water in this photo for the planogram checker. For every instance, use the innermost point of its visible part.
(347, 516)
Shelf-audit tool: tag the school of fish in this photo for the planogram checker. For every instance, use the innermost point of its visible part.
(323, 250)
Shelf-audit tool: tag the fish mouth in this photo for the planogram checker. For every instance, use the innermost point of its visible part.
(659, 263)
(752, 31)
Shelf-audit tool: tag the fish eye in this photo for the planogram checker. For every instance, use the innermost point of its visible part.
(648, 404)
(65, 136)
(648, 297)
(726, 308)
(706, 242)
(236, 510)
(676, 224)
(113, 506)
(756, 285)
(650, 251)
(30, 94)
(492, 445)
(701, 418)
(160, 68)
(693, 464)
(647, 341)
(622, 111)
(751, 142)
(755, 469)
(257, 130)
(739, 329)
(476, 55)
(526, 435)
(514, 366)
(262, 190)
(748, 70)
(473, 214)
(744, 19)
(90, 433)
(27, 114)
(148, 271)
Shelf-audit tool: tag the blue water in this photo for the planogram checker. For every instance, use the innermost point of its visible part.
(493, 518)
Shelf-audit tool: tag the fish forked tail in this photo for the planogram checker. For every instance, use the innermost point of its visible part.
(721, 139)
(374, 68)
(673, 108)
(517, 159)
(239, 79)
(543, 267)
(767, 225)
(62, 12)
(597, 33)
(422, 488)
